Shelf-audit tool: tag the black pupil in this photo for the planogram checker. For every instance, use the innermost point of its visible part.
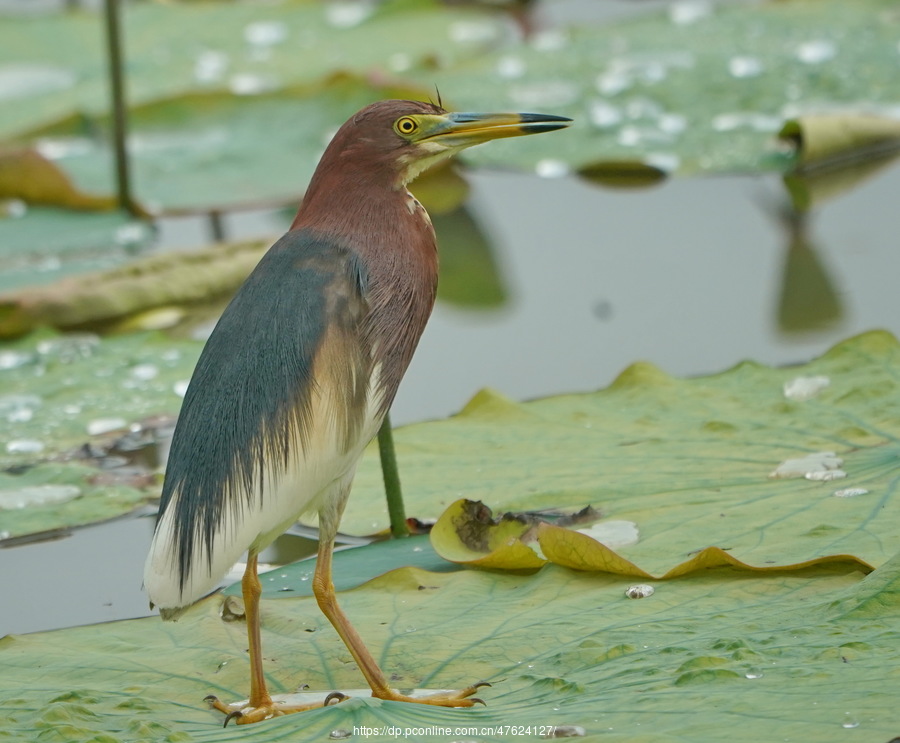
(406, 126)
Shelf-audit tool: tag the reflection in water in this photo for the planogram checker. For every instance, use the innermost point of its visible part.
(809, 300)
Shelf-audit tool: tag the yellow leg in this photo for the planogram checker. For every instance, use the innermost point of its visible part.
(323, 588)
(260, 705)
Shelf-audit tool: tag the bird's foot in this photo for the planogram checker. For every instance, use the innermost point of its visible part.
(243, 714)
(461, 698)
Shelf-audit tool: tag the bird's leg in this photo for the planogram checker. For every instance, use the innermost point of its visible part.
(323, 588)
(260, 705)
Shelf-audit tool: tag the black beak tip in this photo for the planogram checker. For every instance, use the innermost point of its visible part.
(544, 122)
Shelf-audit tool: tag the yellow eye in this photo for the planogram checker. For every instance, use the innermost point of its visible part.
(406, 126)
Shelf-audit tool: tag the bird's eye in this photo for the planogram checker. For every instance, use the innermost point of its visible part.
(406, 125)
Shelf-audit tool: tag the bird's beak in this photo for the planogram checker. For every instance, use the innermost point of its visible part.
(466, 129)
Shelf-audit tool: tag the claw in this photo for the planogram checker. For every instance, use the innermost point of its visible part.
(237, 714)
(479, 701)
(211, 699)
(479, 684)
(334, 695)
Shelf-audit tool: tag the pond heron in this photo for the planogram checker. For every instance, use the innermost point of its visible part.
(301, 369)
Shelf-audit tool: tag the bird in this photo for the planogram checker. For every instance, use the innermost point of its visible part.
(300, 371)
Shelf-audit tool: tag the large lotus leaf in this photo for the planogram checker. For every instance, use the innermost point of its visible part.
(46, 244)
(697, 88)
(54, 65)
(212, 150)
(80, 425)
(803, 656)
(686, 460)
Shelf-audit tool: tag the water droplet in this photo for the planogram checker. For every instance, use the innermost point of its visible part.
(849, 722)
(24, 446)
(417, 549)
(339, 734)
(668, 162)
(472, 32)
(742, 67)
(14, 359)
(56, 148)
(816, 51)
(604, 115)
(823, 461)
(549, 40)
(23, 79)
(68, 348)
(689, 11)
(37, 495)
(246, 83)
(614, 534)
(265, 33)
(347, 14)
(753, 674)
(510, 67)
(672, 123)
(827, 476)
(850, 492)
(145, 372)
(210, 66)
(639, 591)
(643, 108)
(549, 168)
(804, 388)
(19, 408)
(613, 82)
(180, 387)
(399, 62)
(728, 122)
(13, 208)
(170, 355)
(548, 93)
(104, 425)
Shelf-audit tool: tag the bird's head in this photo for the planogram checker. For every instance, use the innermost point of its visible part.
(410, 136)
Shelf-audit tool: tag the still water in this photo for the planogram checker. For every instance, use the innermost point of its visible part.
(693, 276)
